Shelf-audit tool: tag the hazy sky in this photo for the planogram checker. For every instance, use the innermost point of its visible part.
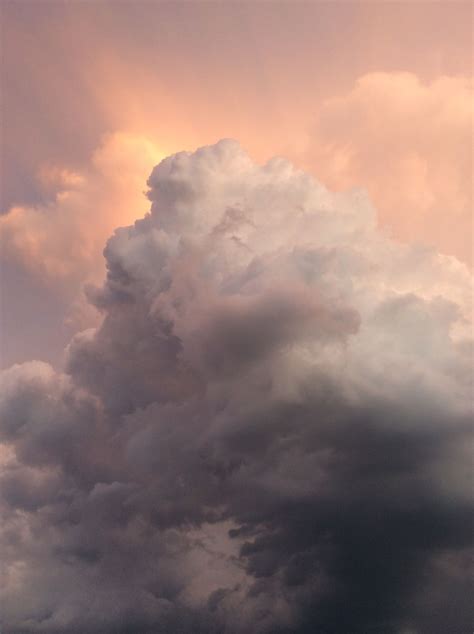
(257, 421)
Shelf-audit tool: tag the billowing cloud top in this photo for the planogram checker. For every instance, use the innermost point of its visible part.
(267, 432)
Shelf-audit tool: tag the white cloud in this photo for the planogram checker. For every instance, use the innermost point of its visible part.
(268, 361)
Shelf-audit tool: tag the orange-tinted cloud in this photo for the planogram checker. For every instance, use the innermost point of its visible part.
(61, 242)
(408, 143)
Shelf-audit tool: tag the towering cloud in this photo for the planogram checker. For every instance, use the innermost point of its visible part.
(267, 433)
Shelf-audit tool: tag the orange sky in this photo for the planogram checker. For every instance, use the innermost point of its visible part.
(372, 95)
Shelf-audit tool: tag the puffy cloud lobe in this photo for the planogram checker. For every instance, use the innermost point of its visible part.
(45, 418)
(407, 142)
(266, 433)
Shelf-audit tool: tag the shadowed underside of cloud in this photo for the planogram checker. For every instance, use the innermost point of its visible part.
(268, 431)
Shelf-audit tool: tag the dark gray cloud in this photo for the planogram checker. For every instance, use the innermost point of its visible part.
(267, 433)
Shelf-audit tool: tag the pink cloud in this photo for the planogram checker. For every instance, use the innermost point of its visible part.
(407, 142)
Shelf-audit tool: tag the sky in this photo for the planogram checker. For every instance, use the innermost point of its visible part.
(236, 317)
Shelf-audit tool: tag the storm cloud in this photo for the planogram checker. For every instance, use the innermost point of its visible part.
(268, 432)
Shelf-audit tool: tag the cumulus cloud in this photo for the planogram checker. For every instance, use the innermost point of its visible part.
(266, 433)
(408, 143)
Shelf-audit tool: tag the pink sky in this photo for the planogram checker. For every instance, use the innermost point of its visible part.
(369, 95)
(236, 316)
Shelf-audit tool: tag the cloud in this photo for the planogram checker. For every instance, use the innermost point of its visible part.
(407, 142)
(49, 251)
(267, 432)
(61, 241)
